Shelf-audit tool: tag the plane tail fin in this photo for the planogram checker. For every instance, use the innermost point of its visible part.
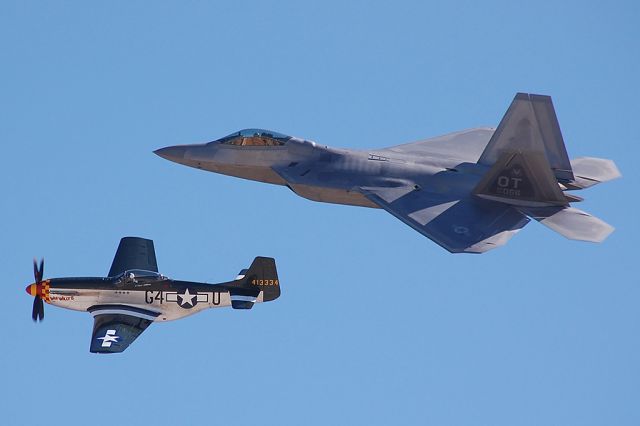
(530, 169)
(530, 125)
(261, 277)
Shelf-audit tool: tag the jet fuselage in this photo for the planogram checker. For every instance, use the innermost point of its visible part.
(326, 174)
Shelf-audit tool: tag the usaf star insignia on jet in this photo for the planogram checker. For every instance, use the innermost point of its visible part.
(468, 191)
(134, 294)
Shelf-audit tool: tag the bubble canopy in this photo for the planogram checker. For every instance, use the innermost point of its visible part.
(254, 137)
(140, 275)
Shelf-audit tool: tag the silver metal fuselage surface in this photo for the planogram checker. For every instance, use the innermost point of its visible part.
(331, 175)
(167, 297)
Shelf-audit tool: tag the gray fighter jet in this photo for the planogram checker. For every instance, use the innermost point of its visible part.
(468, 191)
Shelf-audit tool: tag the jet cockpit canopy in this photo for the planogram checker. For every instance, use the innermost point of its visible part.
(254, 137)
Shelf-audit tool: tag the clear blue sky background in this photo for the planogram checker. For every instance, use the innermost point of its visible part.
(376, 325)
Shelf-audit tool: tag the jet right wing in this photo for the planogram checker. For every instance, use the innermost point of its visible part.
(467, 225)
(134, 253)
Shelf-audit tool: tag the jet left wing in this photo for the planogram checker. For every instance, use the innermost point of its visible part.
(466, 225)
(115, 327)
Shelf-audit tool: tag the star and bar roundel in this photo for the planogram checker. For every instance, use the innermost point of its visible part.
(186, 298)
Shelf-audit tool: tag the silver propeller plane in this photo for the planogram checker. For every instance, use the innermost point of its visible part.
(134, 294)
(468, 191)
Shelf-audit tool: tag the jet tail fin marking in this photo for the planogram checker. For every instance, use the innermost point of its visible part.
(521, 179)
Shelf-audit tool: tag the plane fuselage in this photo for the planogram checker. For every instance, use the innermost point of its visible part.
(170, 298)
(326, 174)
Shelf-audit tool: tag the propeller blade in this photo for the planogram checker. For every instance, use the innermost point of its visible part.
(35, 271)
(38, 271)
(38, 309)
(34, 313)
(41, 269)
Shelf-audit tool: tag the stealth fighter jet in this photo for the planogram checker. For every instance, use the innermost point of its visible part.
(134, 294)
(468, 191)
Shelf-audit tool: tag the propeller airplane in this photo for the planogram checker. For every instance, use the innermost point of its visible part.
(134, 294)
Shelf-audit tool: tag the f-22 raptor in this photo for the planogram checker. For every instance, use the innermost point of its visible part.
(468, 191)
(134, 294)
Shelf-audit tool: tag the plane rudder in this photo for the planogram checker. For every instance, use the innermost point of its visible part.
(260, 277)
(530, 125)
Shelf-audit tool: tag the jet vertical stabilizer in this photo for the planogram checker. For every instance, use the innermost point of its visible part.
(530, 169)
(530, 125)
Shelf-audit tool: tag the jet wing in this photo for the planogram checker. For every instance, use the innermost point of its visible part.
(466, 225)
(466, 145)
(134, 253)
(115, 327)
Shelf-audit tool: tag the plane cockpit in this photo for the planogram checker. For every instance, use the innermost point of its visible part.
(139, 276)
(254, 137)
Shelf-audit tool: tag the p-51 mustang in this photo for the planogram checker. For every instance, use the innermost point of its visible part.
(468, 191)
(134, 295)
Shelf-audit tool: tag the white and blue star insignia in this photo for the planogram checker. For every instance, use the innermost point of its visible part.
(108, 338)
(188, 300)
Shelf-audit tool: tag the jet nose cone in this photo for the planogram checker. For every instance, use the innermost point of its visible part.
(172, 153)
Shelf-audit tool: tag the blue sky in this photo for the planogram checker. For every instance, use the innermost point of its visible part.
(376, 325)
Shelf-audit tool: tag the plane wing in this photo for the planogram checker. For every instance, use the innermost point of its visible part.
(115, 327)
(134, 253)
(466, 225)
(466, 145)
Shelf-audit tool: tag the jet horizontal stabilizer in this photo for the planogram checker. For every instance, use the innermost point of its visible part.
(590, 171)
(571, 223)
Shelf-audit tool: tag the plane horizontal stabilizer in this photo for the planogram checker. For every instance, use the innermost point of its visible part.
(590, 171)
(571, 223)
